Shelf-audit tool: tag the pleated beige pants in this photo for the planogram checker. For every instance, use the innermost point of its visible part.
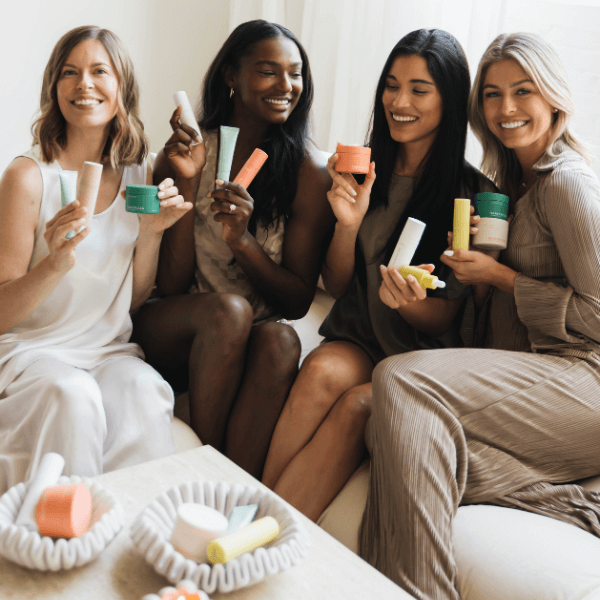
(466, 426)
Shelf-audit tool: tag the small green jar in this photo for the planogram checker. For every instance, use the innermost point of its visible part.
(142, 199)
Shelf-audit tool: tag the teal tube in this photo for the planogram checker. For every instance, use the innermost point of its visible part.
(68, 191)
(226, 149)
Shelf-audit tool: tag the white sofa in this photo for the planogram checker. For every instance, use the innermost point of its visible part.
(501, 553)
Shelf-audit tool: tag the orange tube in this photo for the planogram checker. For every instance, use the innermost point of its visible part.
(251, 168)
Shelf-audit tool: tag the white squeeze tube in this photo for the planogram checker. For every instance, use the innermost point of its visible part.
(87, 189)
(408, 243)
(187, 116)
(49, 470)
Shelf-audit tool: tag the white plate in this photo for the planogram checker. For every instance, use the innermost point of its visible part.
(29, 549)
(153, 526)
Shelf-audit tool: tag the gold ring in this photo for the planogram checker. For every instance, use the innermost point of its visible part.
(231, 208)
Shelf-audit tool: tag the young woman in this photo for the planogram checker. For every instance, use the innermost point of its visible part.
(253, 255)
(514, 423)
(69, 380)
(417, 139)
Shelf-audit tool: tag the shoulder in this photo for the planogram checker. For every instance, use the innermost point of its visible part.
(23, 176)
(313, 169)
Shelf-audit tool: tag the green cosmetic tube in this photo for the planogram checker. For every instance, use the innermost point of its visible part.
(227, 143)
(142, 199)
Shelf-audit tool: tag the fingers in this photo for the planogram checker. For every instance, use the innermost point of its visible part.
(428, 267)
(73, 206)
(174, 120)
(399, 290)
(337, 192)
(346, 181)
(370, 178)
(228, 191)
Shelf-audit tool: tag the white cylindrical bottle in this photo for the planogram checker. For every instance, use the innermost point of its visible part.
(408, 243)
(187, 116)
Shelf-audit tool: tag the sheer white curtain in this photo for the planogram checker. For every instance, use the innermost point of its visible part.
(348, 41)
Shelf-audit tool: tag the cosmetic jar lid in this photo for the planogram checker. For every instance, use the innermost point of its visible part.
(353, 149)
(142, 190)
(492, 196)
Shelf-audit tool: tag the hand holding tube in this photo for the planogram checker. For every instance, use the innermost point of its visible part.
(349, 201)
(62, 250)
(395, 291)
(234, 207)
(184, 150)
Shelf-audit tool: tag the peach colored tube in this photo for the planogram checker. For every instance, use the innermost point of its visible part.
(251, 168)
(89, 184)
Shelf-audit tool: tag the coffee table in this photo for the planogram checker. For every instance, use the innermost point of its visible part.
(329, 571)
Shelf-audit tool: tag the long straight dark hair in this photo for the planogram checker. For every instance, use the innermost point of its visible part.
(444, 173)
(274, 188)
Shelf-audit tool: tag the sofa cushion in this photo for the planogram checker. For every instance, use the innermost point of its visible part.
(500, 552)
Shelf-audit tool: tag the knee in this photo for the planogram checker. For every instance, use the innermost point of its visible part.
(75, 398)
(326, 372)
(279, 346)
(229, 317)
(353, 408)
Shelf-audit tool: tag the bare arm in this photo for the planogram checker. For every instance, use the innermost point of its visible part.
(349, 202)
(145, 259)
(22, 291)
(290, 286)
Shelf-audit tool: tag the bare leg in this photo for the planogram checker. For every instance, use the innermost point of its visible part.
(271, 367)
(326, 373)
(320, 470)
(208, 332)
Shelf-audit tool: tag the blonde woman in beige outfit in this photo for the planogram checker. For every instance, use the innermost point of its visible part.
(517, 423)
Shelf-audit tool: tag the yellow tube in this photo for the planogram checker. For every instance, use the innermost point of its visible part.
(250, 537)
(423, 276)
(462, 216)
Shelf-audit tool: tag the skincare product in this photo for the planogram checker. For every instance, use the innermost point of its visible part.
(462, 216)
(251, 168)
(187, 116)
(68, 191)
(195, 526)
(49, 470)
(253, 536)
(353, 159)
(493, 226)
(423, 276)
(87, 189)
(64, 511)
(408, 243)
(227, 141)
(142, 199)
(241, 516)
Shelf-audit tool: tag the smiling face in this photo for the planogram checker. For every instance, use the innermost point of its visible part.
(88, 87)
(268, 83)
(515, 110)
(412, 102)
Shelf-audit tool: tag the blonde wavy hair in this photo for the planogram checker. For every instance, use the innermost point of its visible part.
(127, 143)
(542, 64)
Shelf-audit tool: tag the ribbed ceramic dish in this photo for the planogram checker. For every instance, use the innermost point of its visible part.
(152, 529)
(29, 549)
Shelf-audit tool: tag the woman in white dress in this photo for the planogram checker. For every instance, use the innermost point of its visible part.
(70, 381)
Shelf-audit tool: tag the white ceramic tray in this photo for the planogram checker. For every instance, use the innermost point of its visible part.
(29, 549)
(152, 529)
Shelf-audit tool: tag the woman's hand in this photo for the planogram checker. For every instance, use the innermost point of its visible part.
(234, 206)
(471, 267)
(395, 291)
(62, 250)
(172, 208)
(349, 201)
(187, 160)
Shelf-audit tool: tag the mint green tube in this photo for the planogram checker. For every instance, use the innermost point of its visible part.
(227, 143)
(68, 191)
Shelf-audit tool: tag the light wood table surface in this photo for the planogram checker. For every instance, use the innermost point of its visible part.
(329, 571)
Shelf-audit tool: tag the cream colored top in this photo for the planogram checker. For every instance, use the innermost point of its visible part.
(85, 319)
(215, 271)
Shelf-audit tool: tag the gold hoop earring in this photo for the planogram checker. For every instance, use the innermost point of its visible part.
(231, 92)
(555, 110)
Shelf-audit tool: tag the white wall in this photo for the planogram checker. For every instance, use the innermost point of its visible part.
(171, 42)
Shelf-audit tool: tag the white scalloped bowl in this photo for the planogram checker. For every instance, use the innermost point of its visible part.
(190, 586)
(29, 549)
(153, 526)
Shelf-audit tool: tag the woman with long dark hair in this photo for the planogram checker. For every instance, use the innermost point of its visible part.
(417, 139)
(250, 256)
(515, 422)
